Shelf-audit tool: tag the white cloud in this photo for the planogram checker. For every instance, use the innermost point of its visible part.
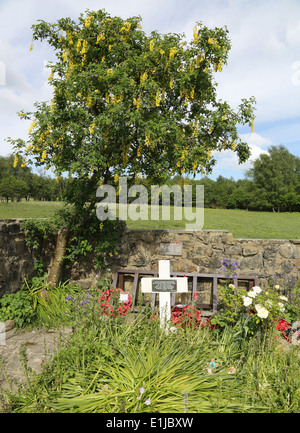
(227, 161)
(293, 33)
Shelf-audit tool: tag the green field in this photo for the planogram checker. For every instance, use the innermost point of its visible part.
(241, 223)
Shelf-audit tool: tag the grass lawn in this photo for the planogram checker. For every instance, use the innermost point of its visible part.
(241, 223)
(30, 209)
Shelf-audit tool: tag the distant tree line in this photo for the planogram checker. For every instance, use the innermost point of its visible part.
(272, 184)
(19, 182)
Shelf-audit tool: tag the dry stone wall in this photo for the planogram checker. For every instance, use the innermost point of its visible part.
(199, 251)
(203, 252)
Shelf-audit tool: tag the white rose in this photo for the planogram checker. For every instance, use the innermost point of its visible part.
(231, 286)
(283, 298)
(262, 312)
(256, 289)
(252, 294)
(276, 287)
(281, 306)
(247, 301)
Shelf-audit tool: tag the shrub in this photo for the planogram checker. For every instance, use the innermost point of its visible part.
(18, 307)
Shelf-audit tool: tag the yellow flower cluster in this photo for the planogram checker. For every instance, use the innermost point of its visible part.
(213, 41)
(144, 77)
(157, 99)
(252, 126)
(44, 156)
(24, 162)
(147, 140)
(126, 27)
(89, 101)
(84, 47)
(199, 59)
(195, 35)
(192, 93)
(28, 148)
(137, 102)
(16, 160)
(51, 75)
(171, 83)
(92, 128)
(100, 37)
(32, 126)
(218, 66)
(151, 44)
(64, 56)
(173, 52)
(88, 21)
(69, 37)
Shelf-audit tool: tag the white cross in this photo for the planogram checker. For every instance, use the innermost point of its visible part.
(164, 285)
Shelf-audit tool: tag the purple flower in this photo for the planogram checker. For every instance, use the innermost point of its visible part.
(148, 401)
(68, 297)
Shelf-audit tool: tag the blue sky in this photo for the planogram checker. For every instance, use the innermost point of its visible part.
(264, 61)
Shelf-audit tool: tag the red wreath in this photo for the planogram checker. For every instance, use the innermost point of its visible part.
(110, 304)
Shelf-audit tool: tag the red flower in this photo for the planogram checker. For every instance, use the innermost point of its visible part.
(195, 296)
(106, 303)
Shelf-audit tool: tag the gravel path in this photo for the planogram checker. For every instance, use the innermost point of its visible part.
(40, 345)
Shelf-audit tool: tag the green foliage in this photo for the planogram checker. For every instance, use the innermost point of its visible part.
(18, 307)
(86, 236)
(17, 181)
(121, 99)
(131, 365)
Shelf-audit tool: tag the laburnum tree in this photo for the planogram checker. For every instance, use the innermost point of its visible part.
(127, 103)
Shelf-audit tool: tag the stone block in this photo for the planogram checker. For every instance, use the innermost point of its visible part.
(270, 252)
(249, 250)
(288, 251)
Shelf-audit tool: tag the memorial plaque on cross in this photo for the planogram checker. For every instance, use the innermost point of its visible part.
(164, 285)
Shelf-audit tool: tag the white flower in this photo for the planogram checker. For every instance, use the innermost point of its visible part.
(252, 294)
(262, 312)
(256, 289)
(283, 298)
(247, 301)
(231, 286)
(269, 303)
(281, 306)
(276, 287)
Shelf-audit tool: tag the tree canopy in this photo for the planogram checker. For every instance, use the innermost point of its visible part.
(127, 103)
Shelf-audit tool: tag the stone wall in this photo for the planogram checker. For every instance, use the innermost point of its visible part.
(16, 261)
(201, 252)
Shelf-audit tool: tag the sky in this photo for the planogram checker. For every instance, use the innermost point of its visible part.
(264, 61)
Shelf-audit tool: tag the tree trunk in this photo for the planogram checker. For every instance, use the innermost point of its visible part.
(58, 260)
